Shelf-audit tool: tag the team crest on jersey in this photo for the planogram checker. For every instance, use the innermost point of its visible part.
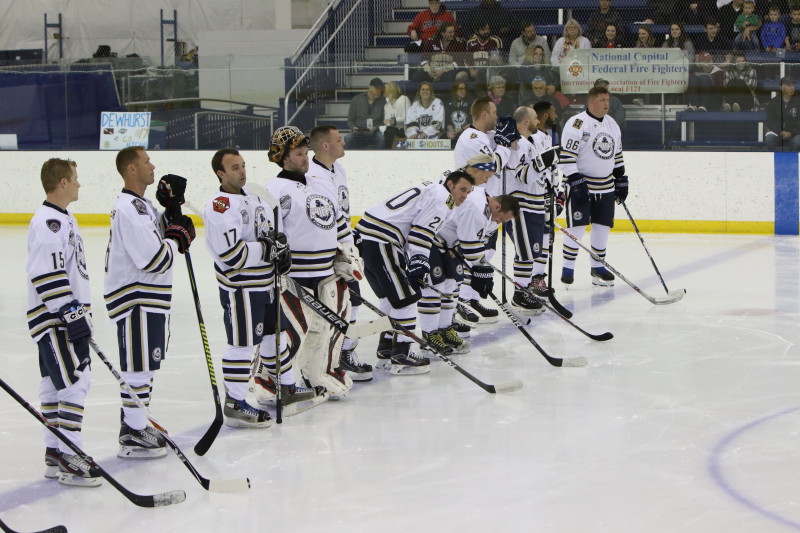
(451, 203)
(138, 204)
(262, 223)
(53, 225)
(220, 204)
(577, 124)
(603, 146)
(286, 203)
(536, 247)
(157, 354)
(577, 215)
(437, 272)
(344, 199)
(319, 210)
(460, 269)
(260, 329)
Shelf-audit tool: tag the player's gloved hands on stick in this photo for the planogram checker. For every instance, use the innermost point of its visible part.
(170, 191)
(546, 159)
(505, 133)
(560, 199)
(621, 189)
(417, 268)
(76, 318)
(482, 279)
(181, 230)
(275, 250)
(578, 190)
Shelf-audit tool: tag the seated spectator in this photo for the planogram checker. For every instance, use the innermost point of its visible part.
(597, 25)
(489, 11)
(678, 39)
(365, 117)
(705, 85)
(612, 38)
(571, 40)
(645, 37)
(394, 115)
(442, 57)
(428, 21)
(793, 31)
(457, 110)
(711, 41)
(615, 108)
(663, 11)
(697, 12)
(497, 92)
(783, 119)
(535, 65)
(554, 91)
(539, 93)
(773, 32)
(525, 42)
(483, 51)
(740, 84)
(746, 27)
(425, 117)
(727, 15)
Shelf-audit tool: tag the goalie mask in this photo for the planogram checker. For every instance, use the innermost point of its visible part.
(283, 141)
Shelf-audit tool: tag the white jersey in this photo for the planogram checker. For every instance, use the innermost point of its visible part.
(234, 222)
(336, 179)
(472, 142)
(138, 258)
(56, 268)
(470, 226)
(528, 185)
(409, 220)
(308, 216)
(592, 148)
(429, 120)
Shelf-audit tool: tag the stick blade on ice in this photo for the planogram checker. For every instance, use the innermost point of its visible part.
(510, 386)
(229, 485)
(671, 297)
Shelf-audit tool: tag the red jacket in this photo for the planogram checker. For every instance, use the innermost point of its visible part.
(427, 24)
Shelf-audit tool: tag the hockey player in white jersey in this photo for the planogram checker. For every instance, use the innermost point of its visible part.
(310, 216)
(243, 239)
(401, 227)
(328, 146)
(59, 306)
(142, 248)
(591, 161)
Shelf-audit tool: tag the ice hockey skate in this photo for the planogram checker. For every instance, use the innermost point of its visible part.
(240, 414)
(406, 363)
(358, 371)
(525, 304)
(76, 471)
(51, 457)
(454, 340)
(485, 315)
(602, 277)
(384, 351)
(144, 443)
(539, 286)
(294, 398)
(567, 276)
(465, 316)
(435, 339)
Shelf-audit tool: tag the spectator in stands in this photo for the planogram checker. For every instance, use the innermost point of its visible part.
(571, 40)
(612, 38)
(483, 51)
(499, 19)
(457, 111)
(427, 22)
(697, 12)
(615, 108)
(442, 56)
(365, 117)
(740, 84)
(539, 93)
(394, 115)
(793, 31)
(663, 11)
(746, 27)
(554, 91)
(645, 37)
(598, 22)
(773, 32)
(705, 85)
(783, 119)
(727, 15)
(678, 39)
(713, 42)
(425, 117)
(525, 42)
(536, 64)
(497, 92)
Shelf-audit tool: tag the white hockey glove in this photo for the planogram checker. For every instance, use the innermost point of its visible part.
(545, 160)
(348, 264)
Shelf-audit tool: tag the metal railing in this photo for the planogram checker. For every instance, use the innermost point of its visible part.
(228, 130)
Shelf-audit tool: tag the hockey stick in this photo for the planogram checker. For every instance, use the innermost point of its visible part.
(277, 293)
(511, 386)
(503, 248)
(223, 485)
(155, 500)
(601, 337)
(671, 297)
(463, 305)
(206, 440)
(55, 529)
(551, 296)
(645, 248)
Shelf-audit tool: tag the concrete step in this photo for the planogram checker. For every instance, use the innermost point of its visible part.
(393, 40)
(374, 53)
(395, 26)
(415, 4)
(337, 108)
(338, 121)
(363, 79)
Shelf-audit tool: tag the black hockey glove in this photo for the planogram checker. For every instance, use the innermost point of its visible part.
(621, 189)
(276, 251)
(578, 190)
(482, 279)
(505, 133)
(76, 319)
(181, 230)
(357, 239)
(418, 267)
(560, 203)
(170, 190)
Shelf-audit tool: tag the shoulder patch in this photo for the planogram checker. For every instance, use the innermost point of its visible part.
(473, 136)
(577, 124)
(487, 212)
(221, 204)
(53, 225)
(286, 202)
(138, 204)
(451, 203)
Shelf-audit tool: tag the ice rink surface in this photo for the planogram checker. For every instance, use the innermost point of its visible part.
(688, 420)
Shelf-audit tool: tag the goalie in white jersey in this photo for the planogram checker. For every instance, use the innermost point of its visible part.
(143, 245)
(58, 318)
(591, 161)
(404, 226)
(243, 238)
